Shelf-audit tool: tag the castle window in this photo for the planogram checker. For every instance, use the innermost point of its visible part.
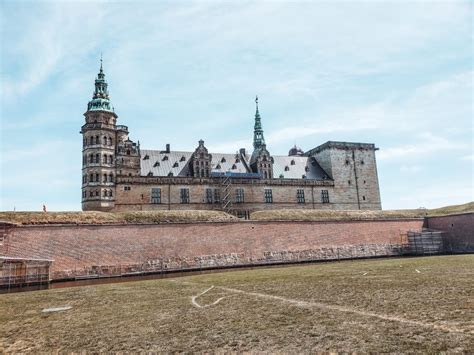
(156, 195)
(362, 162)
(105, 193)
(146, 157)
(91, 158)
(363, 198)
(91, 194)
(110, 193)
(97, 158)
(348, 182)
(184, 194)
(105, 140)
(287, 168)
(239, 195)
(182, 158)
(223, 160)
(126, 188)
(325, 196)
(268, 196)
(96, 139)
(165, 158)
(300, 196)
(91, 178)
(97, 177)
(91, 140)
(111, 178)
(364, 181)
(110, 141)
(234, 167)
(156, 164)
(128, 151)
(105, 177)
(104, 159)
(347, 161)
(97, 192)
(111, 159)
(208, 195)
(265, 175)
(217, 196)
(292, 162)
(175, 165)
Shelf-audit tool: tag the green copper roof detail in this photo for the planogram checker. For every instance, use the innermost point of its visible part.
(100, 98)
(258, 139)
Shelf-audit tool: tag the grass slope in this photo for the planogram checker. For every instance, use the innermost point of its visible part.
(336, 215)
(390, 305)
(117, 217)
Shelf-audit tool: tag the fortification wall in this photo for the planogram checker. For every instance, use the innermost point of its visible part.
(121, 249)
(458, 236)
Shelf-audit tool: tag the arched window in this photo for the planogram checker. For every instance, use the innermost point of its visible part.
(110, 141)
(105, 140)
(111, 159)
(91, 194)
(105, 193)
(97, 192)
(128, 152)
(104, 159)
(105, 177)
(97, 177)
(91, 140)
(91, 178)
(91, 158)
(97, 158)
(96, 139)
(111, 178)
(110, 193)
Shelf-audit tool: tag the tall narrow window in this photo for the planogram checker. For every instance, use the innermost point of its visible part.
(155, 195)
(97, 158)
(239, 195)
(325, 196)
(104, 159)
(105, 178)
(209, 195)
(300, 196)
(268, 196)
(184, 194)
(217, 196)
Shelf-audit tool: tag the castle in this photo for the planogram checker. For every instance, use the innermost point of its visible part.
(117, 175)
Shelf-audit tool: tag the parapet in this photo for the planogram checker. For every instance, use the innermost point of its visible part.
(341, 145)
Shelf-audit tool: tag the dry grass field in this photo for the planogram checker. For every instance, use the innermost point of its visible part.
(336, 215)
(385, 305)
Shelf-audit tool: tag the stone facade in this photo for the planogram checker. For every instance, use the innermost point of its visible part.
(118, 175)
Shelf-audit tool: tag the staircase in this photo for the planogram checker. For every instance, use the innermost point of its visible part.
(226, 189)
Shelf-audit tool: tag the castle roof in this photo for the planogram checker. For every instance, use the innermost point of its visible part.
(163, 163)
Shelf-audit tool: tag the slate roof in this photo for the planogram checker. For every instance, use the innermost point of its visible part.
(162, 163)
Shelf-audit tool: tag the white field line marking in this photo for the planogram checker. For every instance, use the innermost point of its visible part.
(306, 304)
(56, 309)
(193, 299)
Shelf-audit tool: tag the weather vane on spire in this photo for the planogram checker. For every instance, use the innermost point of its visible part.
(256, 100)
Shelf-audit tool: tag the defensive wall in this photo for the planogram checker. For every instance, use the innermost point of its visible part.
(111, 250)
(458, 231)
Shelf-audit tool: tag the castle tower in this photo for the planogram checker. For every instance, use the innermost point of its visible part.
(201, 161)
(99, 147)
(261, 161)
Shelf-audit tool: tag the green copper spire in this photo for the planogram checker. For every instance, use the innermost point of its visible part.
(100, 99)
(258, 139)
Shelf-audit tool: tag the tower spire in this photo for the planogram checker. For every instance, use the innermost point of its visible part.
(258, 139)
(100, 98)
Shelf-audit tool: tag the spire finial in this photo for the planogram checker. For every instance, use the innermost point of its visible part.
(256, 101)
(101, 70)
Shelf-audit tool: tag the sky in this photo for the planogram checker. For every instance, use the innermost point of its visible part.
(395, 73)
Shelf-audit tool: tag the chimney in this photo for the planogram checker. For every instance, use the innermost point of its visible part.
(242, 152)
(167, 148)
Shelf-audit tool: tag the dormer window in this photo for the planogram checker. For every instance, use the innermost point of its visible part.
(223, 160)
(237, 160)
(218, 166)
(150, 173)
(165, 158)
(306, 168)
(292, 162)
(156, 164)
(170, 174)
(146, 157)
(175, 165)
(234, 167)
(287, 168)
(182, 158)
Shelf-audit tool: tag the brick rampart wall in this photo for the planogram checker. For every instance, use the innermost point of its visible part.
(458, 231)
(115, 249)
